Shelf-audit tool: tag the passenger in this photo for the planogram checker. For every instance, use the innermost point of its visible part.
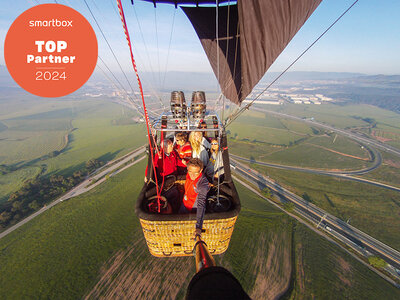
(206, 139)
(196, 189)
(215, 167)
(167, 162)
(198, 149)
(183, 147)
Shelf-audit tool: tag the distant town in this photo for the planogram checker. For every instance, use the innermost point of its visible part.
(278, 96)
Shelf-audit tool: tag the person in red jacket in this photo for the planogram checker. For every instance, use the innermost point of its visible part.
(196, 189)
(167, 162)
(184, 150)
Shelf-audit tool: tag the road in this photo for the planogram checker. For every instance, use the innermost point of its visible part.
(344, 132)
(315, 214)
(110, 168)
(340, 174)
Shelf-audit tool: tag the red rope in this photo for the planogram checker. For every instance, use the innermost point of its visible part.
(121, 13)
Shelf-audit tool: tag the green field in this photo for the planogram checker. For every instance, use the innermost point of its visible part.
(264, 137)
(80, 130)
(58, 254)
(371, 209)
(64, 253)
(324, 271)
(307, 154)
(341, 116)
(256, 133)
(388, 172)
(93, 246)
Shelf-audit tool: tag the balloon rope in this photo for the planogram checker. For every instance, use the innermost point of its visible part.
(121, 13)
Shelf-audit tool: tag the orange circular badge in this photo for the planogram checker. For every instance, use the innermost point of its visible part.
(50, 50)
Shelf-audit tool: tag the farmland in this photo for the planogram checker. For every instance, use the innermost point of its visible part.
(371, 209)
(58, 137)
(93, 246)
(287, 142)
(388, 173)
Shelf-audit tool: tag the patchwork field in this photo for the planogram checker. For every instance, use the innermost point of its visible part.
(267, 138)
(341, 116)
(92, 246)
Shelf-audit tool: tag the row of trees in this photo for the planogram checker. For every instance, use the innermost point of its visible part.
(36, 192)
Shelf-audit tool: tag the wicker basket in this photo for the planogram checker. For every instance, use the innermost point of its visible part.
(169, 235)
(175, 238)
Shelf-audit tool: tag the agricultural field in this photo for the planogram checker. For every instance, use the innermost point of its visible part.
(57, 137)
(378, 123)
(256, 133)
(294, 143)
(92, 246)
(388, 172)
(323, 271)
(371, 209)
(340, 116)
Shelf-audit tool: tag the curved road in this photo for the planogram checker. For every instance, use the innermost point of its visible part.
(344, 132)
(344, 175)
(376, 156)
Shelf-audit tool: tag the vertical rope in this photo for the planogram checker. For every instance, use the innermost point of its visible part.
(121, 13)
(217, 36)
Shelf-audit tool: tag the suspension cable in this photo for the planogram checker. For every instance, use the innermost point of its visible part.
(121, 12)
(137, 106)
(152, 89)
(158, 48)
(115, 86)
(218, 75)
(169, 47)
(234, 116)
(226, 54)
(109, 46)
(148, 58)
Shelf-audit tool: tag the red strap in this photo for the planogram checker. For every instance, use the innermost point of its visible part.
(121, 13)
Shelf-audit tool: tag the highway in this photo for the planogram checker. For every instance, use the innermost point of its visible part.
(321, 217)
(110, 169)
(341, 174)
(347, 133)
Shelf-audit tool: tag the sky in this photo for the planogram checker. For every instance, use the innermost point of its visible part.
(366, 40)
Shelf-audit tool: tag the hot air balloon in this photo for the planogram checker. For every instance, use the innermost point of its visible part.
(241, 40)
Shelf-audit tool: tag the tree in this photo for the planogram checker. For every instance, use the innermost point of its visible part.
(266, 192)
(306, 197)
(92, 164)
(16, 206)
(34, 205)
(5, 217)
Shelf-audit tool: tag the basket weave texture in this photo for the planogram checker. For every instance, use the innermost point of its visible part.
(175, 238)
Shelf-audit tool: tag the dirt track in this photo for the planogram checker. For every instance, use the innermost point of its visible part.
(134, 274)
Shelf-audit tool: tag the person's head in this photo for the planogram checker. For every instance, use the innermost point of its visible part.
(181, 138)
(195, 139)
(167, 146)
(194, 167)
(214, 145)
(203, 125)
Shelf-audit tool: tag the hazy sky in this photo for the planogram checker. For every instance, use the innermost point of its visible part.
(366, 40)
